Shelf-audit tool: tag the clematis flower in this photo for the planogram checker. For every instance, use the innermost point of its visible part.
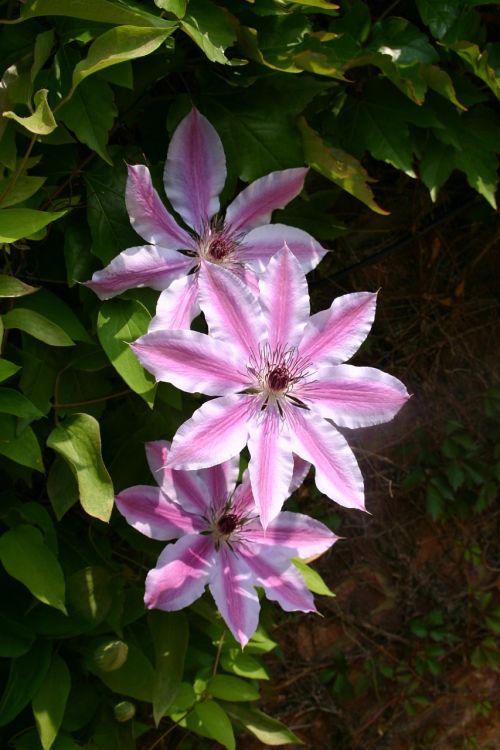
(220, 542)
(281, 381)
(244, 242)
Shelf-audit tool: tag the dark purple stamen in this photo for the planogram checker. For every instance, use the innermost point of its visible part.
(219, 248)
(278, 378)
(228, 523)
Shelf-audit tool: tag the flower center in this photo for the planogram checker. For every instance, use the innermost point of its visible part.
(220, 247)
(217, 244)
(227, 523)
(278, 378)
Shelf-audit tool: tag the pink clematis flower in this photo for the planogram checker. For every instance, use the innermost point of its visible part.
(281, 381)
(220, 542)
(195, 173)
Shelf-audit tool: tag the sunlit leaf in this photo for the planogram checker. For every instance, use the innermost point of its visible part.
(49, 702)
(42, 121)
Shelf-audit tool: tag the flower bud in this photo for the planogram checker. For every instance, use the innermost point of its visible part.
(110, 656)
(124, 711)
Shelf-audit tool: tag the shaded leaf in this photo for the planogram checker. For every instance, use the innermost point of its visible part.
(89, 593)
(231, 689)
(20, 446)
(7, 369)
(38, 326)
(49, 702)
(15, 639)
(12, 287)
(90, 113)
(170, 631)
(62, 488)
(25, 677)
(13, 402)
(135, 678)
(102, 11)
(77, 440)
(436, 165)
(53, 308)
(208, 26)
(21, 190)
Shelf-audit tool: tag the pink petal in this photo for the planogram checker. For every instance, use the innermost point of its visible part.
(148, 215)
(232, 313)
(232, 588)
(354, 396)
(148, 265)
(195, 170)
(243, 500)
(285, 300)
(333, 336)
(220, 481)
(255, 204)
(191, 361)
(300, 472)
(177, 305)
(271, 463)
(185, 487)
(303, 536)
(280, 580)
(152, 513)
(216, 432)
(337, 471)
(262, 243)
(181, 574)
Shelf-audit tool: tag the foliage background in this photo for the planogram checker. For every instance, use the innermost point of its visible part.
(402, 93)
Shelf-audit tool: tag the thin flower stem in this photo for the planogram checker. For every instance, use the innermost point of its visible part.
(217, 655)
(93, 400)
(19, 170)
(171, 729)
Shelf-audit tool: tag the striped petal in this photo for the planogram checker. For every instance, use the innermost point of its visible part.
(285, 300)
(271, 463)
(195, 170)
(181, 574)
(216, 432)
(255, 204)
(177, 305)
(148, 215)
(185, 487)
(333, 336)
(150, 511)
(220, 480)
(191, 361)
(301, 535)
(232, 313)
(148, 265)
(262, 243)
(354, 396)
(337, 472)
(232, 588)
(280, 580)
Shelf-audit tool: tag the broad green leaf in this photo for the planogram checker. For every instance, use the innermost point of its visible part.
(20, 446)
(15, 638)
(439, 80)
(119, 75)
(49, 702)
(102, 11)
(78, 441)
(135, 678)
(320, 5)
(12, 287)
(267, 730)
(90, 113)
(312, 578)
(62, 488)
(25, 677)
(38, 326)
(439, 15)
(43, 46)
(7, 369)
(244, 665)
(52, 307)
(436, 165)
(13, 402)
(117, 45)
(22, 189)
(119, 322)
(210, 720)
(231, 689)
(402, 42)
(477, 59)
(338, 166)
(208, 26)
(16, 223)
(177, 7)
(170, 631)
(42, 121)
(37, 568)
(89, 593)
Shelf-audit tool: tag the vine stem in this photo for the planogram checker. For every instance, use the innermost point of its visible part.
(19, 170)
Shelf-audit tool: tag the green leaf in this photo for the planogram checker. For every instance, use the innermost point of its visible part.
(13, 402)
(20, 446)
(135, 678)
(338, 166)
(477, 60)
(439, 15)
(102, 11)
(177, 7)
(170, 632)
(42, 121)
(436, 165)
(231, 689)
(62, 488)
(25, 677)
(439, 80)
(267, 730)
(402, 42)
(90, 113)
(119, 322)
(49, 702)
(210, 720)
(78, 441)
(22, 189)
(117, 45)
(15, 639)
(37, 568)
(52, 307)
(16, 223)
(43, 46)
(7, 369)
(312, 578)
(12, 287)
(89, 593)
(243, 665)
(209, 27)
(38, 326)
